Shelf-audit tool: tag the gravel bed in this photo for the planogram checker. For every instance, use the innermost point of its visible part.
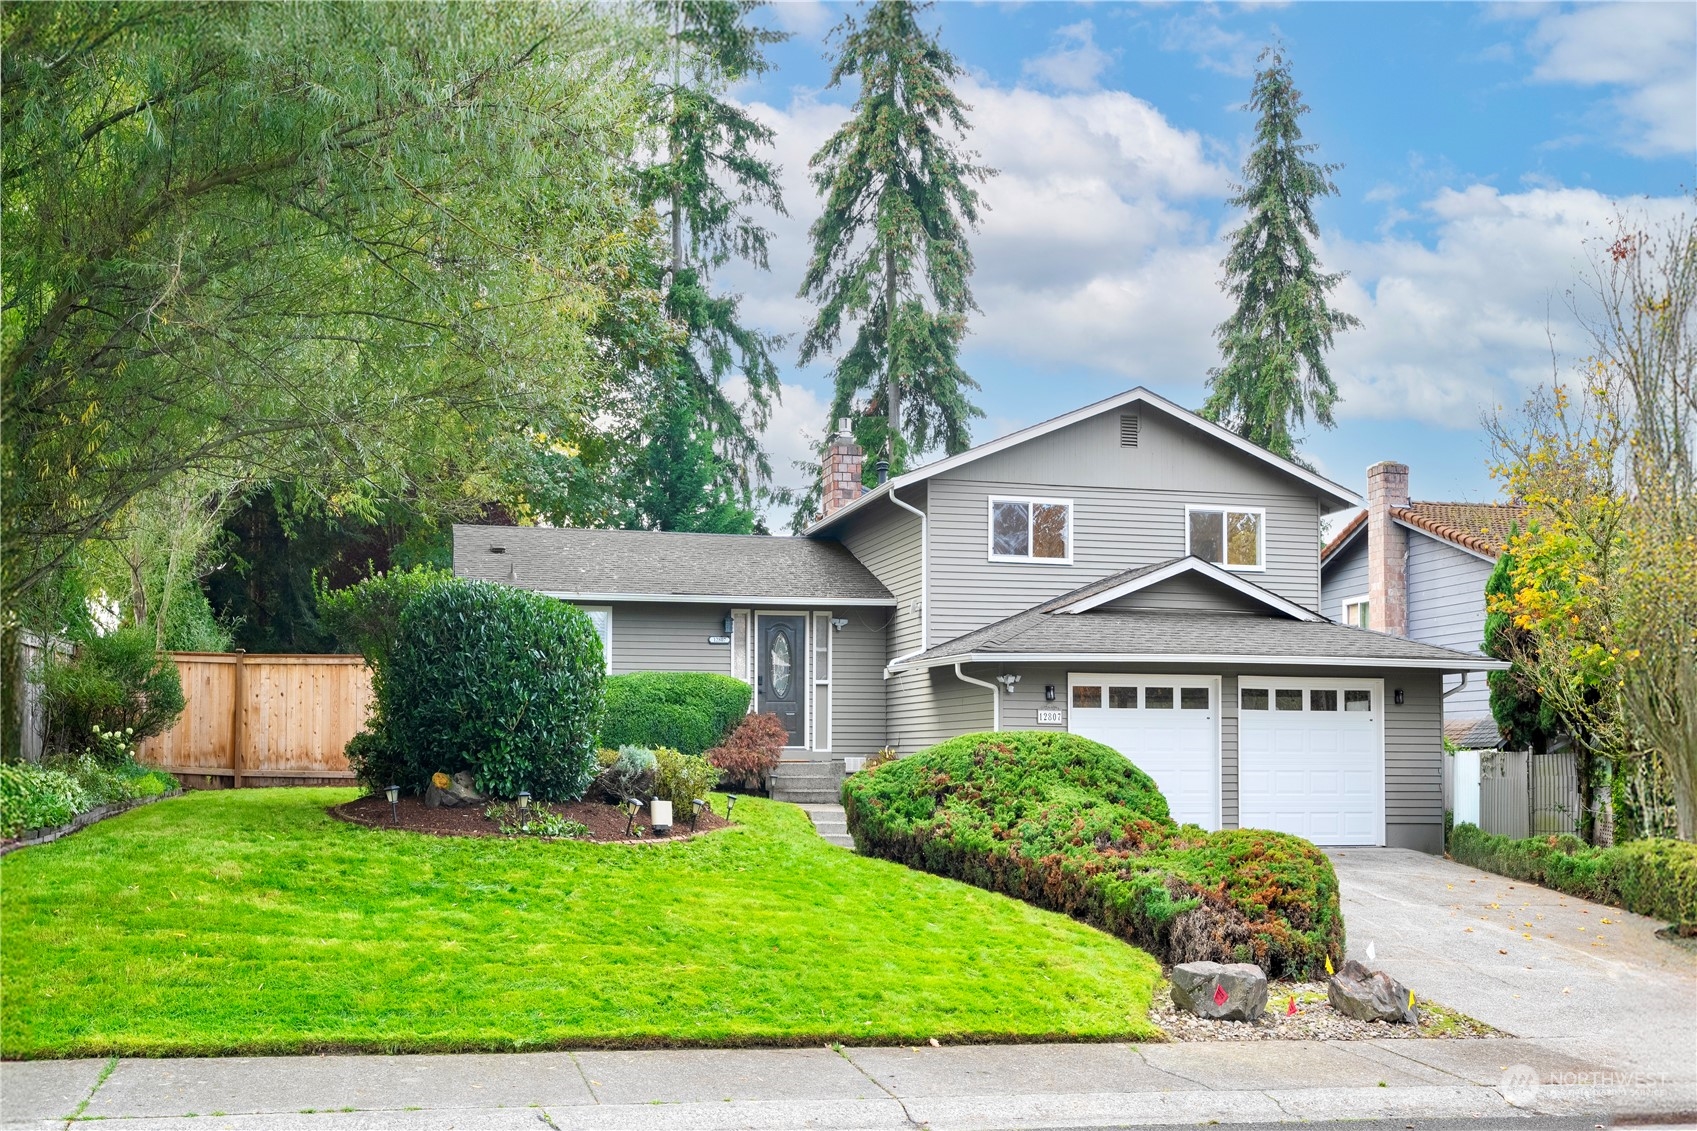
(1314, 1020)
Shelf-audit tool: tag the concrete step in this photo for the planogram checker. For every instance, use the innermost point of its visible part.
(805, 796)
(817, 770)
(841, 840)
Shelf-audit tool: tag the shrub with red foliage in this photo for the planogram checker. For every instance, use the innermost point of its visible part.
(750, 751)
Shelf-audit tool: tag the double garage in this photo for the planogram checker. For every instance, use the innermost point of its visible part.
(1310, 751)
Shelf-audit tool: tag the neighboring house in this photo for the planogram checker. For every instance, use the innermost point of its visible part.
(1127, 571)
(1418, 570)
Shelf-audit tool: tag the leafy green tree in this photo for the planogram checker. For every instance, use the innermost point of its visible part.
(890, 257)
(1273, 368)
(1524, 718)
(354, 246)
(681, 482)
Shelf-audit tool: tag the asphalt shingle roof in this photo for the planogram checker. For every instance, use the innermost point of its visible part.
(1477, 732)
(637, 563)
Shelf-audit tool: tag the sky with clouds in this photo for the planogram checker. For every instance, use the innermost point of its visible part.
(1484, 150)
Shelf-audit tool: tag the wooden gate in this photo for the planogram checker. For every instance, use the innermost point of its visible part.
(252, 720)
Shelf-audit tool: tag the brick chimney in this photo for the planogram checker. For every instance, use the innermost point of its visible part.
(841, 470)
(1387, 549)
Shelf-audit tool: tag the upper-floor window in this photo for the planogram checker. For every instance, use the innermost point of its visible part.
(1227, 536)
(1355, 612)
(1031, 530)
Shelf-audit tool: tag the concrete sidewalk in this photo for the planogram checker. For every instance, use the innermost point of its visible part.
(966, 1088)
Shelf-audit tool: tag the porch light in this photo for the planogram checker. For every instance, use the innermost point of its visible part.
(697, 805)
(1049, 692)
(1397, 696)
(730, 803)
(730, 623)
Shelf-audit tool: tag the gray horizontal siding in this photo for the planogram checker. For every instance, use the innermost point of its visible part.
(927, 707)
(1186, 594)
(1345, 578)
(886, 540)
(669, 638)
(857, 683)
(1446, 606)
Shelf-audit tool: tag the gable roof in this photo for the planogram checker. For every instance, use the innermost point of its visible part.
(1479, 528)
(651, 565)
(1072, 628)
(1338, 494)
(1119, 585)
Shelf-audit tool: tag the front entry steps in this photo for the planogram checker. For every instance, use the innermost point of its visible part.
(808, 783)
(831, 823)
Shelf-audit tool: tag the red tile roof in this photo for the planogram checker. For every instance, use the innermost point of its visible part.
(1483, 528)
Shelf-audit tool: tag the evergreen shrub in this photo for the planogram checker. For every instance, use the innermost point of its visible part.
(1071, 825)
(1655, 876)
(685, 711)
(500, 681)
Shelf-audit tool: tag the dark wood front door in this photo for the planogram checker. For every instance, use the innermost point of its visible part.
(782, 681)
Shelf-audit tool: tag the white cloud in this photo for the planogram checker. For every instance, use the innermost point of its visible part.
(1074, 62)
(809, 19)
(1198, 30)
(1647, 52)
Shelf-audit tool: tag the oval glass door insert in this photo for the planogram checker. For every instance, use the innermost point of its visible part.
(781, 664)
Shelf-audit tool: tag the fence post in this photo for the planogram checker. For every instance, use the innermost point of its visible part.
(236, 719)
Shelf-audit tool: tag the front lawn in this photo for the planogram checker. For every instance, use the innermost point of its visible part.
(253, 922)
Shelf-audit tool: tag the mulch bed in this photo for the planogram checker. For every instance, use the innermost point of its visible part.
(1314, 1020)
(606, 822)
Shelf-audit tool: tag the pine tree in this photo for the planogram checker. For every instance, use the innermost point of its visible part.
(890, 256)
(711, 174)
(1273, 369)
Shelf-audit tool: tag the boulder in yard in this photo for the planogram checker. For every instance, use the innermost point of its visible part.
(435, 797)
(464, 787)
(1370, 995)
(1234, 991)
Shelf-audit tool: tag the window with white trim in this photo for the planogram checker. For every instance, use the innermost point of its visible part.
(1233, 537)
(1031, 530)
(1355, 612)
(602, 618)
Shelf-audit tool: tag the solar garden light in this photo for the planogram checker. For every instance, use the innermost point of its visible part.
(524, 799)
(730, 803)
(393, 793)
(698, 805)
(634, 806)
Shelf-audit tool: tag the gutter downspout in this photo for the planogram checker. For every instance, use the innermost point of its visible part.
(924, 582)
(1465, 676)
(995, 702)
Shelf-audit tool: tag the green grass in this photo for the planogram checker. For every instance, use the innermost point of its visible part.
(252, 922)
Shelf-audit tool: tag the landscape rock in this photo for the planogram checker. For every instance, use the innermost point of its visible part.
(1234, 991)
(1370, 995)
(435, 798)
(465, 788)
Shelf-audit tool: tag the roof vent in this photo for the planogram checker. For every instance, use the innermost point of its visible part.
(497, 549)
(1128, 430)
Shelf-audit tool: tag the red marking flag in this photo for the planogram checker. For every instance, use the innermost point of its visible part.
(1219, 995)
(1290, 1010)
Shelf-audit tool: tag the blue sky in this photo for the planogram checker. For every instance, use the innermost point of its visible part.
(1483, 147)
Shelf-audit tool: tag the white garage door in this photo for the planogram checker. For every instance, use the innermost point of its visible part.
(1167, 725)
(1311, 758)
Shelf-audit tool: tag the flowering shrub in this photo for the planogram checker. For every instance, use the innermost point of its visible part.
(1071, 825)
(749, 753)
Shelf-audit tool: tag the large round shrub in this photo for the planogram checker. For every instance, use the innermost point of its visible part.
(499, 681)
(684, 711)
(1071, 825)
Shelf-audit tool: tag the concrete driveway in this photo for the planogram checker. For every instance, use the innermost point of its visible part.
(1589, 981)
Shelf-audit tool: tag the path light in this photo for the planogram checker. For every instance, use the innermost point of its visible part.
(393, 793)
(698, 805)
(633, 805)
(524, 799)
(730, 803)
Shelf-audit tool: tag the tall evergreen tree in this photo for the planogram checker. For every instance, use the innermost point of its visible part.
(890, 254)
(1273, 366)
(710, 174)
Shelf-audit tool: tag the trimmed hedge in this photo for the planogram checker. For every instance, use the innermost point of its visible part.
(1071, 825)
(499, 681)
(1654, 877)
(684, 711)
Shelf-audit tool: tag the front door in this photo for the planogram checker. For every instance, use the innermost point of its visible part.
(781, 683)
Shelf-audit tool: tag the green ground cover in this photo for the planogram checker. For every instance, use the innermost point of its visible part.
(253, 922)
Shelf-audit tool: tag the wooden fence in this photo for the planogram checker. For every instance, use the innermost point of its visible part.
(263, 719)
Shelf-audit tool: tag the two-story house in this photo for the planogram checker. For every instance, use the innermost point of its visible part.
(1418, 569)
(1127, 571)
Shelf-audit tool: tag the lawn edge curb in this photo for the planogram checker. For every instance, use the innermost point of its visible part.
(83, 820)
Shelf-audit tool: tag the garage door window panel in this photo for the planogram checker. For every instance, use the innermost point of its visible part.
(1253, 698)
(1122, 698)
(1323, 699)
(1087, 697)
(1357, 700)
(1158, 698)
(1288, 699)
(1193, 699)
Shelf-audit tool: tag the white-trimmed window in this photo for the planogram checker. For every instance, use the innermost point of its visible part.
(1232, 537)
(1030, 530)
(601, 616)
(1355, 612)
